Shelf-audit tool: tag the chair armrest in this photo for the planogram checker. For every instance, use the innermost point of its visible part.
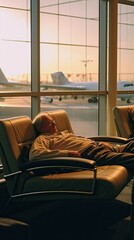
(113, 139)
(60, 164)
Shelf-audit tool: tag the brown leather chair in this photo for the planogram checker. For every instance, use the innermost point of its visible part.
(124, 120)
(132, 215)
(62, 177)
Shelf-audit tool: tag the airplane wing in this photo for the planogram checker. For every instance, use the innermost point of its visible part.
(62, 87)
(63, 83)
(13, 84)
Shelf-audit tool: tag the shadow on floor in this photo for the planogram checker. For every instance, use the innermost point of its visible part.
(78, 219)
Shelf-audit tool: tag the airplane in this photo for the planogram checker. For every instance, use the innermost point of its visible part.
(61, 82)
(126, 86)
(7, 83)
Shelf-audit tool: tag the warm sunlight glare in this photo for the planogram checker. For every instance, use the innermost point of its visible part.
(14, 49)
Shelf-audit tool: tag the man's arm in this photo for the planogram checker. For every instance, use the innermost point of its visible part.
(40, 149)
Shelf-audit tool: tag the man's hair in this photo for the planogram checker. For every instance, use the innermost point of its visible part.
(38, 122)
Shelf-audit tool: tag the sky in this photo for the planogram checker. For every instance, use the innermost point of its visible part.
(71, 56)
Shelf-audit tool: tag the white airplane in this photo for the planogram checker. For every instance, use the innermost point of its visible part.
(7, 83)
(61, 82)
(126, 86)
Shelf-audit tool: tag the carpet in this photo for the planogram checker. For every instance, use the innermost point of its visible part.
(121, 229)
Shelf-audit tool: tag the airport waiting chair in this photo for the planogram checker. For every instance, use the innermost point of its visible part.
(132, 214)
(54, 178)
(124, 120)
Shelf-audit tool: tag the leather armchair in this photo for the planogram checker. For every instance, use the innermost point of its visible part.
(123, 116)
(132, 215)
(124, 120)
(55, 178)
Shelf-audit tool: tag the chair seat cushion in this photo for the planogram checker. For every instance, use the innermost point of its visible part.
(109, 183)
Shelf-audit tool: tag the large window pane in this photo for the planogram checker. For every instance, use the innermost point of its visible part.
(83, 116)
(69, 44)
(15, 41)
(15, 106)
(126, 52)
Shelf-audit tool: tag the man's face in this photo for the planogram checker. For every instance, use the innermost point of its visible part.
(49, 125)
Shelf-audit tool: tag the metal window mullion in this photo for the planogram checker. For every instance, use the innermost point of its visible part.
(112, 64)
(35, 56)
(102, 66)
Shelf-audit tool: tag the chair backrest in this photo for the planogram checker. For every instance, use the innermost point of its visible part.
(14, 133)
(123, 117)
(17, 132)
(61, 119)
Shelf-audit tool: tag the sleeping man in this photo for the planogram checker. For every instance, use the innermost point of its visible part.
(51, 143)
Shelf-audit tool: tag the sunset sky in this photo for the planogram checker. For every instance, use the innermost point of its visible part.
(15, 39)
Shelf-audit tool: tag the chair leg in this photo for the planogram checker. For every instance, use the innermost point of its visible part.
(13, 229)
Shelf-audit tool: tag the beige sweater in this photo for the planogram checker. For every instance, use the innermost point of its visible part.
(57, 145)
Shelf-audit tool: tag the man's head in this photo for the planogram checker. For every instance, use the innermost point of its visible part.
(43, 123)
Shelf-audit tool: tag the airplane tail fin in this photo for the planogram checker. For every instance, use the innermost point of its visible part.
(3, 78)
(59, 78)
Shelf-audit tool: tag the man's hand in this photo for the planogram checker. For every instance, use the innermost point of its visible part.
(73, 154)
